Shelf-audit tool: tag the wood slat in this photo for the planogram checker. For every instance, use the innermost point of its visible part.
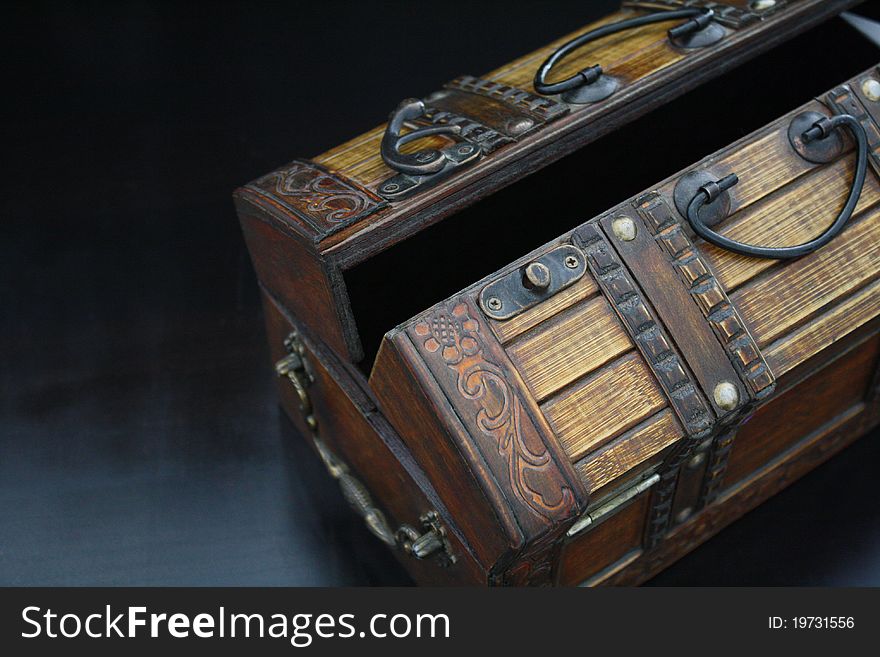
(509, 329)
(785, 297)
(602, 406)
(799, 213)
(574, 344)
(629, 450)
(798, 346)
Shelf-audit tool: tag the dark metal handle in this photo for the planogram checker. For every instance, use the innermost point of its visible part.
(700, 18)
(820, 130)
(426, 161)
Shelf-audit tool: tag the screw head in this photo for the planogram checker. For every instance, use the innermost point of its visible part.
(494, 303)
(536, 276)
(427, 156)
(726, 395)
(684, 514)
(390, 187)
(762, 5)
(465, 149)
(696, 460)
(571, 262)
(624, 228)
(871, 89)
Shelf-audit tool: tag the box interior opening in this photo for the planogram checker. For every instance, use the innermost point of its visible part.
(395, 285)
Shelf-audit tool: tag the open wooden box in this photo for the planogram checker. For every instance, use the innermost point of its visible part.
(547, 446)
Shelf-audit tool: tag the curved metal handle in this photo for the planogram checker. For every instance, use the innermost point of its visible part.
(820, 130)
(426, 161)
(700, 18)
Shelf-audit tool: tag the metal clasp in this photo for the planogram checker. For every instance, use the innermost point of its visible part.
(424, 167)
(431, 541)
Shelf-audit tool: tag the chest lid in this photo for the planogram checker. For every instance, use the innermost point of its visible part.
(317, 220)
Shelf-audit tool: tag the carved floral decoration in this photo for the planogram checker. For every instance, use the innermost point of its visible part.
(455, 337)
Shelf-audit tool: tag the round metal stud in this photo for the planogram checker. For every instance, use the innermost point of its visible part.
(536, 276)
(624, 228)
(726, 395)
(871, 89)
(684, 514)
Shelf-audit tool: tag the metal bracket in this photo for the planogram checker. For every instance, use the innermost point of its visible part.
(533, 283)
(427, 166)
(432, 541)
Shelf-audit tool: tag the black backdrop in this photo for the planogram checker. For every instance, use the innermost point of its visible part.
(140, 442)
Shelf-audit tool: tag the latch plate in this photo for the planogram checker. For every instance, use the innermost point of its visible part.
(513, 293)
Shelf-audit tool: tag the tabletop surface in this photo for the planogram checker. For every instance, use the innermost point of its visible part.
(140, 440)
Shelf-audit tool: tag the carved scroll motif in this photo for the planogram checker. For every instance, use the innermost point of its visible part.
(451, 342)
(322, 199)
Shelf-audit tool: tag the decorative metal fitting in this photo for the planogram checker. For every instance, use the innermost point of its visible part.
(421, 545)
(871, 89)
(726, 395)
(820, 130)
(538, 280)
(591, 85)
(624, 228)
(426, 166)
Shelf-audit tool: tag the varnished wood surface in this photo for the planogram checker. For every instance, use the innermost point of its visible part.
(794, 309)
(141, 440)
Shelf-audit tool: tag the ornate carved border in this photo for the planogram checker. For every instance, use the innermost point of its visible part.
(540, 107)
(326, 201)
(519, 451)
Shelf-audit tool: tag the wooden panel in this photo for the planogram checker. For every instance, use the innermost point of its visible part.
(813, 450)
(508, 329)
(784, 420)
(297, 278)
(604, 544)
(779, 301)
(352, 429)
(629, 451)
(600, 407)
(801, 212)
(799, 346)
(571, 346)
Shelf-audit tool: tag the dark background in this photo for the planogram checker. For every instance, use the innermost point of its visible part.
(140, 441)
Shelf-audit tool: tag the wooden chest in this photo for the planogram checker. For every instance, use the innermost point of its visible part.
(589, 411)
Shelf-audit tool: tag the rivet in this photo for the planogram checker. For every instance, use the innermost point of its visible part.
(762, 5)
(624, 228)
(571, 262)
(871, 89)
(537, 276)
(726, 395)
(465, 149)
(493, 303)
(391, 187)
(684, 514)
(696, 460)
